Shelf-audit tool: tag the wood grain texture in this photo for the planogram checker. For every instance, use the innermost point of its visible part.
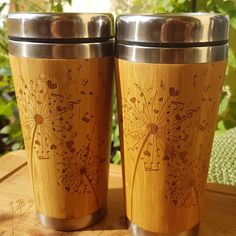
(17, 212)
(65, 108)
(9, 163)
(167, 121)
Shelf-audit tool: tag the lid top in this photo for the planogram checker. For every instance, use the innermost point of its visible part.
(53, 26)
(179, 28)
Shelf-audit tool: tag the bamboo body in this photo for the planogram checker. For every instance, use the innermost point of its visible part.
(167, 116)
(65, 109)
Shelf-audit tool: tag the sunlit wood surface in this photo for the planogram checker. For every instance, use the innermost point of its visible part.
(17, 216)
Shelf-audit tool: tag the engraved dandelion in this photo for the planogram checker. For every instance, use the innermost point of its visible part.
(186, 183)
(158, 126)
(45, 115)
(46, 128)
(78, 171)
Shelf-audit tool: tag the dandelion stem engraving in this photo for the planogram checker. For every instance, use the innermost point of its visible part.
(93, 190)
(135, 170)
(31, 155)
(158, 128)
(197, 202)
(45, 115)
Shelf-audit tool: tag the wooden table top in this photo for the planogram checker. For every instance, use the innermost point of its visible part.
(17, 216)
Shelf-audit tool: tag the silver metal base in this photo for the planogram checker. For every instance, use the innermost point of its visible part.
(136, 231)
(71, 224)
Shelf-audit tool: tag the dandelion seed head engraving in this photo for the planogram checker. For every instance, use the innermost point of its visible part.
(186, 183)
(161, 139)
(38, 119)
(156, 128)
(47, 114)
(152, 128)
(78, 171)
(151, 123)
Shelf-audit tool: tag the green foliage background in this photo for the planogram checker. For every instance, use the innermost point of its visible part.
(10, 130)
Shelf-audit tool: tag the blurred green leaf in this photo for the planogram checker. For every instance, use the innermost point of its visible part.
(57, 8)
(16, 146)
(224, 103)
(6, 108)
(116, 159)
(2, 6)
(229, 124)
(232, 107)
(233, 21)
(221, 127)
(231, 58)
(225, 6)
(5, 71)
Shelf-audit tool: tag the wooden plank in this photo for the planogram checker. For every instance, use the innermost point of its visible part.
(17, 216)
(11, 162)
(221, 188)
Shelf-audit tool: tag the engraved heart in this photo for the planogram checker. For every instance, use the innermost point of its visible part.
(51, 85)
(178, 117)
(173, 92)
(53, 147)
(147, 153)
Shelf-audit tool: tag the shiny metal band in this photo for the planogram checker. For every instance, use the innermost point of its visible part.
(71, 224)
(67, 26)
(136, 231)
(60, 51)
(188, 55)
(172, 28)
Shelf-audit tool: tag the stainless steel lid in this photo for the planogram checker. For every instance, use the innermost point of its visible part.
(60, 27)
(185, 29)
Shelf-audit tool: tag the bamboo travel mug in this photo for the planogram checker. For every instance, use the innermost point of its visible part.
(62, 66)
(170, 72)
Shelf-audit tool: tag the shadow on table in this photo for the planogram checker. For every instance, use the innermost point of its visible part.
(115, 218)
